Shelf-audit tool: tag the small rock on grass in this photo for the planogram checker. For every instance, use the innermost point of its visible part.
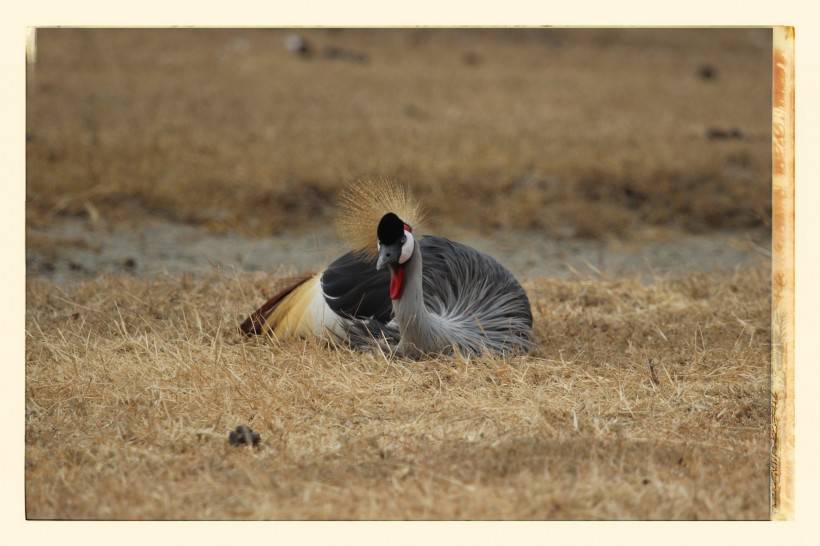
(333, 52)
(471, 58)
(243, 435)
(297, 45)
(714, 133)
(707, 72)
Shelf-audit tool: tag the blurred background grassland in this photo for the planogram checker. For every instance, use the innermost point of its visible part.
(570, 132)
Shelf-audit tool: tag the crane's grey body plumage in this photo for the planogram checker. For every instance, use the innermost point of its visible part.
(455, 298)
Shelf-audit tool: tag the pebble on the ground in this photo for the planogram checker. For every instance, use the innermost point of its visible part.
(243, 435)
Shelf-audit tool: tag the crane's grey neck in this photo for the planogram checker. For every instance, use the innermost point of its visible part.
(417, 326)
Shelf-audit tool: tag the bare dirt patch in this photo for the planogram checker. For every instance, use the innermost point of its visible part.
(75, 250)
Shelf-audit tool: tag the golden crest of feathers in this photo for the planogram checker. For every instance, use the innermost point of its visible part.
(362, 205)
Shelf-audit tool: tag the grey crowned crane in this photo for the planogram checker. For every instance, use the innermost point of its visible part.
(419, 295)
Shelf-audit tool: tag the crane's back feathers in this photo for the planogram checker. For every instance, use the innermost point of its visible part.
(353, 288)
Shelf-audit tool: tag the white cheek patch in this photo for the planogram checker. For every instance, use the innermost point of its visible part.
(407, 247)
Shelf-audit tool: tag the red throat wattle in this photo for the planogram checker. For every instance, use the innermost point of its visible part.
(396, 281)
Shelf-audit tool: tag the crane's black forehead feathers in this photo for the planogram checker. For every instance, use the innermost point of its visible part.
(390, 230)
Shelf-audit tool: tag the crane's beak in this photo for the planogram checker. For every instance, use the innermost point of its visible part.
(388, 254)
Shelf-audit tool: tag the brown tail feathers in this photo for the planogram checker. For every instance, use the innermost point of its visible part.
(255, 324)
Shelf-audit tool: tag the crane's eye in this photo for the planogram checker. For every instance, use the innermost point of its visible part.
(403, 239)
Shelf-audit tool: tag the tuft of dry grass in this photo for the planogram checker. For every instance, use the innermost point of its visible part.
(642, 401)
(584, 132)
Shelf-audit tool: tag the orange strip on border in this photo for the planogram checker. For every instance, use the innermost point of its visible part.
(782, 455)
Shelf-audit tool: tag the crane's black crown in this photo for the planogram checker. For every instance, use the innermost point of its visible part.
(390, 230)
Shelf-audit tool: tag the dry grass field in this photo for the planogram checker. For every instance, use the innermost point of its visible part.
(132, 387)
(647, 397)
